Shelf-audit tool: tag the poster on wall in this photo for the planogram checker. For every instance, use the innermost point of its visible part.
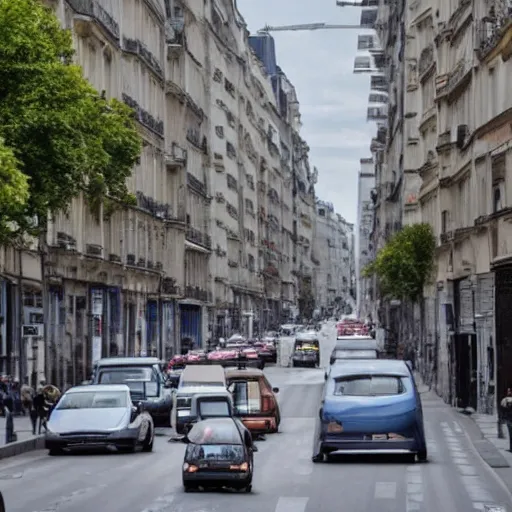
(97, 323)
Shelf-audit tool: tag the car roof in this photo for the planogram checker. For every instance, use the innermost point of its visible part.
(307, 336)
(128, 361)
(225, 431)
(353, 343)
(203, 373)
(369, 367)
(234, 373)
(99, 387)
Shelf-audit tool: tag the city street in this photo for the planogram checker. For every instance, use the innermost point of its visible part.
(286, 480)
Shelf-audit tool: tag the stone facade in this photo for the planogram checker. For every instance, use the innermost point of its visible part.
(446, 147)
(334, 256)
(221, 238)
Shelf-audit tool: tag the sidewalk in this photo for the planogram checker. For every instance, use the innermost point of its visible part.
(483, 431)
(22, 427)
(488, 425)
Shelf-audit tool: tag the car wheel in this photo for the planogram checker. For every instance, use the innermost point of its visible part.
(422, 456)
(294, 365)
(248, 488)
(55, 451)
(148, 442)
(320, 457)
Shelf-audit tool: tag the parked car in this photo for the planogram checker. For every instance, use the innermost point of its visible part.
(354, 347)
(99, 416)
(370, 406)
(254, 399)
(219, 454)
(306, 350)
(132, 371)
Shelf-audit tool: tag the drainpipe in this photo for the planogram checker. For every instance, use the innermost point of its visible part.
(21, 342)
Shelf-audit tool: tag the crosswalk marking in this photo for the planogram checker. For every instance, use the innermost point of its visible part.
(414, 497)
(291, 504)
(385, 490)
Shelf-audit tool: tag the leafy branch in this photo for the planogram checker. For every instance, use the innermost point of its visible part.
(405, 264)
(60, 137)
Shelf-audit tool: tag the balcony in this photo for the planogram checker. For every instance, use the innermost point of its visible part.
(460, 76)
(377, 114)
(174, 37)
(177, 157)
(91, 10)
(144, 117)
(197, 237)
(426, 62)
(138, 48)
(196, 185)
(493, 32)
(196, 293)
(379, 83)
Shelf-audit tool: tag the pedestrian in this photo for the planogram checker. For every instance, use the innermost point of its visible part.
(41, 408)
(27, 397)
(506, 415)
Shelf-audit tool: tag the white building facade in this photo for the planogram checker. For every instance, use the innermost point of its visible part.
(221, 237)
(363, 252)
(335, 267)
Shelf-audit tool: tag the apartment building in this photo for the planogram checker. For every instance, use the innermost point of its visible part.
(366, 184)
(453, 133)
(220, 239)
(335, 261)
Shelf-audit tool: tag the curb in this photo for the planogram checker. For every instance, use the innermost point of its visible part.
(20, 447)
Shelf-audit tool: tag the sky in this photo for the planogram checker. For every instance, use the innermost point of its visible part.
(333, 101)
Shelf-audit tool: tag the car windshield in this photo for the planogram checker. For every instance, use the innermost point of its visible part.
(93, 400)
(140, 380)
(369, 385)
(215, 431)
(213, 408)
(355, 354)
(215, 452)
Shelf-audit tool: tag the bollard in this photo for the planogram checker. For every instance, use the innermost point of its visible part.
(10, 435)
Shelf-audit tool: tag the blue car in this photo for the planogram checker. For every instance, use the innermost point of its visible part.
(370, 407)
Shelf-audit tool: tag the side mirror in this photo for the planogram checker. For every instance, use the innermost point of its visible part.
(255, 448)
(140, 407)
(231, 388)
(321, 413)
(275, 390)
(325, 376)
(332, 361)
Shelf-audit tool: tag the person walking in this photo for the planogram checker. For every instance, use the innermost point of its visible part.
(506, 415)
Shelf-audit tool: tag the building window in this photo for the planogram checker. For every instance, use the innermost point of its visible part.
(444, 221)
(321, 212)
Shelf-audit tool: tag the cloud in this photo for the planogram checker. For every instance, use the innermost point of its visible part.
(333, 100)
(345, 138)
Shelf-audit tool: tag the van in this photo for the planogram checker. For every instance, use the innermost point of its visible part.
(195, 379)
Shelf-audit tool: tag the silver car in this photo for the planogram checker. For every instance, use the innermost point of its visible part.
(99, 417)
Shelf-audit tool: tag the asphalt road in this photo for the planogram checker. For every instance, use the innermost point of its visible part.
(455, 479)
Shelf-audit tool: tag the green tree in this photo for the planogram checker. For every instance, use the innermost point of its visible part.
(405, 264)
(13, 192)
(66, 138)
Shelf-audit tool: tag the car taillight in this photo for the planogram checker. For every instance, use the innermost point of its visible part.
(267, 403)
(189, 468)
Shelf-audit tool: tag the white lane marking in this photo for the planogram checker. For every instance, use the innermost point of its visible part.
(414, 496)
(160, 504)
(457, 427)
(475, 489)
(291, 504)
(385, 490)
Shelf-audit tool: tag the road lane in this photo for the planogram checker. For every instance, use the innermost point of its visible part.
(285, 480)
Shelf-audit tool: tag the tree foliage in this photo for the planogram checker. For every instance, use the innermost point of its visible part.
(405, 264)
(13, 191)
(65, 137)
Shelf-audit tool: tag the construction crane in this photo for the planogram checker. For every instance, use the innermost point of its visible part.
(363, 3)
(312, 26)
